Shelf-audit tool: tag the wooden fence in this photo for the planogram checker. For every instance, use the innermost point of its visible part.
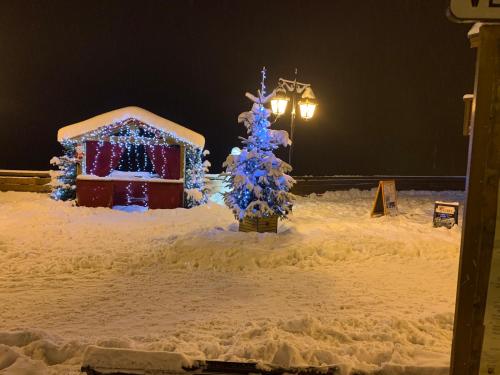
(39, 181)
(312, 184)
(309, 184)
(31, 181)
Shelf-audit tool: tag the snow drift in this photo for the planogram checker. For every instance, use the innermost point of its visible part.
(333, 287)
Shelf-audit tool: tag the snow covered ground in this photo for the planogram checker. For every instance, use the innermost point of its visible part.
(333, 287)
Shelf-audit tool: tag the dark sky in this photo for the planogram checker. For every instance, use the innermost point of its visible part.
(389, 75)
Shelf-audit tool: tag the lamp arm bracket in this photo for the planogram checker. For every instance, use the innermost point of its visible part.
(292, 86)
(302, 87)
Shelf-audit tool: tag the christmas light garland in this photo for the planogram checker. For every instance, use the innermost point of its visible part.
(127, 134)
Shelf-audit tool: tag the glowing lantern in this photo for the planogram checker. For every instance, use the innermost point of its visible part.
(279, 102)
(307, 104)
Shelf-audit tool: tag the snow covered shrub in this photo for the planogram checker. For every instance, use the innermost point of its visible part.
(195, 181)
(64, 180)
(258, 180)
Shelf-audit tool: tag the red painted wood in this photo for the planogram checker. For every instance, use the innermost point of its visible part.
(102, 157)
(165, 195)
(173, 162)
(166, 160)
(99, 193)
(94, 193)
(137, 191)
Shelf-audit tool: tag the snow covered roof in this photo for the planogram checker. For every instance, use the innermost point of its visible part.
(108, 118)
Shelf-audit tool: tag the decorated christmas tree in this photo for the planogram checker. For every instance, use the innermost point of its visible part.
(64, 180)
(195, 181)
(258, 180)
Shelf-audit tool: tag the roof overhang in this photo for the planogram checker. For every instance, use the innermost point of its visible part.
(118, 115)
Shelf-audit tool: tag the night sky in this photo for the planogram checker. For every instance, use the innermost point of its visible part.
(389, 75)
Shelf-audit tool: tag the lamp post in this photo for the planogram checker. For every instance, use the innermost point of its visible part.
(307, 103)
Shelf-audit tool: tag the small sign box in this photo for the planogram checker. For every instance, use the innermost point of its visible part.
(386, 199)
(445, 214)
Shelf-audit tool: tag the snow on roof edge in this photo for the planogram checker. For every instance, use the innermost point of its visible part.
(117, 115)
(474, 29)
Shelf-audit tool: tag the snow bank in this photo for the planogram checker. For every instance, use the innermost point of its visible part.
(34, 352)
(334, 287)
(114, 360)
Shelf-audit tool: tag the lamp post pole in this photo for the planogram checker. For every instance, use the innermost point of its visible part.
(292, 125)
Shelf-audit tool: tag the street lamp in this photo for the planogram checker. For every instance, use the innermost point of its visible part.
(279, 102)
(307, 103)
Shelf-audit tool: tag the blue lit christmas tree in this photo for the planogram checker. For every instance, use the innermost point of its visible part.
(258, 180)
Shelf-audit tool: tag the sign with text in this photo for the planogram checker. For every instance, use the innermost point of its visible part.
(386, 200)
(445, 214)
(475, 10)
(490, 354)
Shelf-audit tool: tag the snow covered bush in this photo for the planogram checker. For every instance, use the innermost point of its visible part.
(195, 181)
(64, 180)
(258, 180)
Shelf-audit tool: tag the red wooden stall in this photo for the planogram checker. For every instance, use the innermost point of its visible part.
(103, 181)
(106, 192)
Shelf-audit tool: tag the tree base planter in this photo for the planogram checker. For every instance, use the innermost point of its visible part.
(259, 224)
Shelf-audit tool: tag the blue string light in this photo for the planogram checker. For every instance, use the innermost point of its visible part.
(259, 185)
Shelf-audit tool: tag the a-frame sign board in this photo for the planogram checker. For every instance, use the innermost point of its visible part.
(386, 199)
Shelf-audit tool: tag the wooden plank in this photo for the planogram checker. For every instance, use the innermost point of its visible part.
(319, 185)
(378, 202)
(183, 160)
(261, 225)
(183, 171)
(222, 367)
(27, 188)
(467, 115)
(246, 227)
(23, 173)
(24, 180)
(131, 139)
(478, 229)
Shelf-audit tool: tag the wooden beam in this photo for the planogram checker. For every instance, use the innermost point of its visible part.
(160, 136)
(183, 160)
(478, 230)
(214, 367)
(24, 180)
(306, 185)
(467, 114)
(23, 173)
(183, 172)
(26, 188)
(160, 141)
